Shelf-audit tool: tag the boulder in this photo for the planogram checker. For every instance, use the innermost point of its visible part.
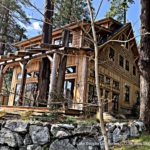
(39, 134)
(34, 147)
(87, 129)
(60, 130)
(88, 144)
(27, 140)
(17, 126)
(134, 130)
(116, 135)
(10, 138)
(63, 144)
(4, 148)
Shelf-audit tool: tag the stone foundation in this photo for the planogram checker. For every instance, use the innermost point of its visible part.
(21, 135)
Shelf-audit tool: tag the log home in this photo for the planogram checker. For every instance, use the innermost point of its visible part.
(118, 73)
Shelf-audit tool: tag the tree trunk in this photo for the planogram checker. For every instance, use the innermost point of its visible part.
(22, 85)
(144, 64)
(44, 77)
(53, 82)
(97, 78)
(62, 65)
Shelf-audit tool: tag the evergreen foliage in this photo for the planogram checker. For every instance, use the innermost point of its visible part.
(11, 13)
(67, 11)
(118, 9)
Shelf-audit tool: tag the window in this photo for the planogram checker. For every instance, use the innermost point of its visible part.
(121, 61)
(19, 76)
(107, 81)
(101, 78)
(36, 74)
(69, 88)
(71, 69)
(111, 54)
(28, 75)
(58, 41)
(70, 40)
(134, 71)
(116, 85)
(92, 95)
(127, 65)
(127, 93)
(30, 94)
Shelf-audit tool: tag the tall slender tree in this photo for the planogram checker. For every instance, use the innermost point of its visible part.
(118, 9)
(144, 63)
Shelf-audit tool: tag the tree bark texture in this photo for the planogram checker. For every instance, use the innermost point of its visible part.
(44, 77)
(63, 62)
(144, 64)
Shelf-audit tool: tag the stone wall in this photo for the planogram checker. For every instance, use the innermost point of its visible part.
(21, 135)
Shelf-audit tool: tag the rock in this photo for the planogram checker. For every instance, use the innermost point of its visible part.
(10, 138)
(39, 135)
(27, 140)
(125, 135)
(110, 127)
(123, 126)
(59, 130)
(134, 131)
(61, 134)
(34, 147)
(17, 126)
(140, 125)
(4, 148)
(23, 148)
(88, 144)
(101, 141)
(87, 129)
(116, 135)
(63, 144)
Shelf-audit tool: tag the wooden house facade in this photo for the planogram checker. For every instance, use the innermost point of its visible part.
(118, 73)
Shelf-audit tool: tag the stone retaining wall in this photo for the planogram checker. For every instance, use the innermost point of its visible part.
(20, 135)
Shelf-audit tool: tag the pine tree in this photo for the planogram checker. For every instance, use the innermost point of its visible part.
(11, 12)
(118, 9)
(144, 64)
(67, 11)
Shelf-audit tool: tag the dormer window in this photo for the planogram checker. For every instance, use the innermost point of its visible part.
(112, 54)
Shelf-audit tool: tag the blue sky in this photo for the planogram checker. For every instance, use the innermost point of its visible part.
(133, 15)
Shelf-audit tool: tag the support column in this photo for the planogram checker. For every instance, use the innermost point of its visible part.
(1, 82)
(53, 82)
(23, 83)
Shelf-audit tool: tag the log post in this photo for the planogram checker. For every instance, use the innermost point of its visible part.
(53, 81)
(44, 77)
(1, 77)
(62, 65)
(1, 82)
(23, 83)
